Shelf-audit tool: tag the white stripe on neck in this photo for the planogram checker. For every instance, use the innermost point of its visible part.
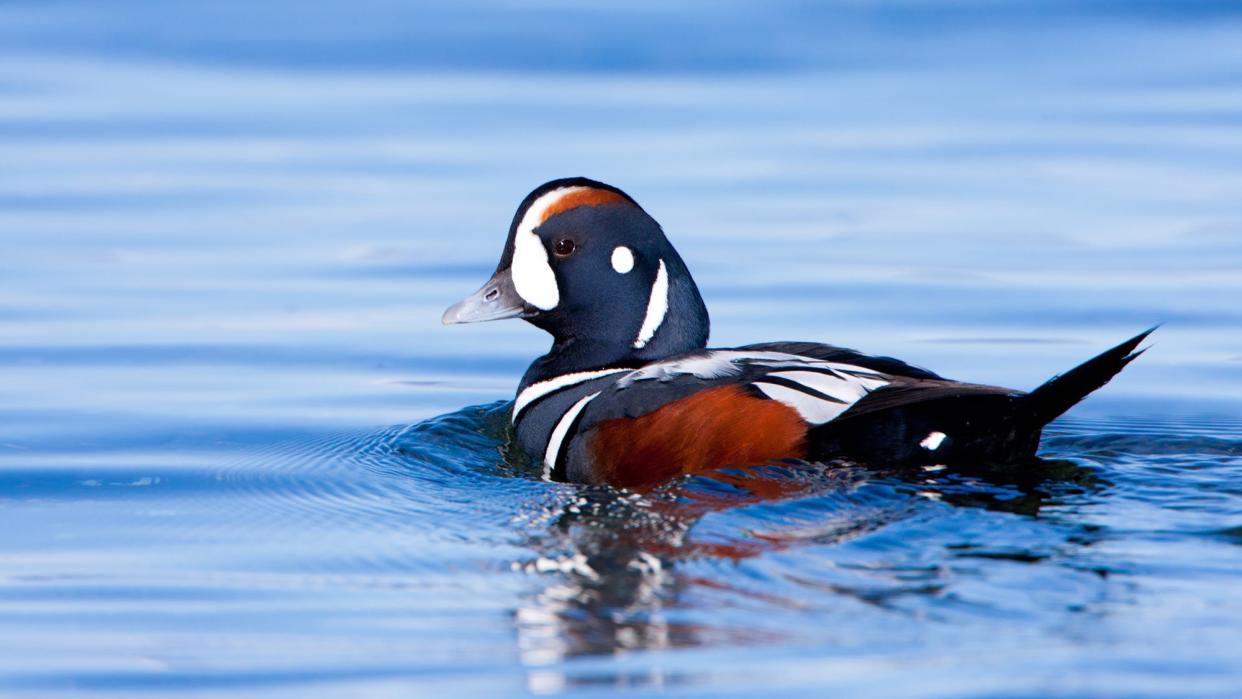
(558, 435)
(536, 391)
(657, 306)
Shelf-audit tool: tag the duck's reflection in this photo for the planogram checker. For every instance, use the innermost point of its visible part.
(611, 557)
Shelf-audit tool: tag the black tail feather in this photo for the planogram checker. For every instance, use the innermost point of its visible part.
(1063, 391)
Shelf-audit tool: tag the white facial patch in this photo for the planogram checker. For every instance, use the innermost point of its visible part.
(657, 307)
(622, 259)
(532, 274)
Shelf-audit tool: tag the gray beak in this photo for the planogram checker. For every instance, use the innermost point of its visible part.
(498, 299)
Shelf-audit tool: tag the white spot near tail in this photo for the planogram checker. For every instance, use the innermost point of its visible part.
(657, 307)
(932, 441)
(622, 259)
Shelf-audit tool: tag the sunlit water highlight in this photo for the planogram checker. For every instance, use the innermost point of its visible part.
(236, 452)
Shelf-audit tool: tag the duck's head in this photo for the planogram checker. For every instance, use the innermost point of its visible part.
(584, 262)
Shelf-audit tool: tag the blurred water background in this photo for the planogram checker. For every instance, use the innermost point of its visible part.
(228, 229)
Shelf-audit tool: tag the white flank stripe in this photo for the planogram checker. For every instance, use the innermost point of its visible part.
(852, 368)
(793, 361)
(814, 410)
(712, 365)
(532, 275)
(719, 363)
(657, 306)
(558, 435)
(853, 371)
(538, 390)
(849, 389)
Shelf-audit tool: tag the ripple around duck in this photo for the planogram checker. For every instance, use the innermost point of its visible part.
(436, 470)
(386, 481)
(616, 570)
(741, 557)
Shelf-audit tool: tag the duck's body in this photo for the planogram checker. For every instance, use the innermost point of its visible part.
(629, 395)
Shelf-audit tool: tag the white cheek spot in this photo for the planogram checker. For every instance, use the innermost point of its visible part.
(622, 259)
(932, 441)
(532, 274)
(657, 307)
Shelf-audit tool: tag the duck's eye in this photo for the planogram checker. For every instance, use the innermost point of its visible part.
(564, 247)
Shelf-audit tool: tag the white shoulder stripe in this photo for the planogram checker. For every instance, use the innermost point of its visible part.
(814, 410)
(657, 307)
(558, 435)
(536, 391)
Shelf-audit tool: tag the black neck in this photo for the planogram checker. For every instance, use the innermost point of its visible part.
(573, 355)
(685, 329)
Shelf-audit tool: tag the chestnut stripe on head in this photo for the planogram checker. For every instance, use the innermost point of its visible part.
(533, 277)
(573, 197)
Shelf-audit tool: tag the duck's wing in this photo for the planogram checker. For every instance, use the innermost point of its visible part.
(704, 409)
(780, 400)
(818, 389)
(844, 355)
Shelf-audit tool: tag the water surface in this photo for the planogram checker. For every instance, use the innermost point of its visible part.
(239, 454)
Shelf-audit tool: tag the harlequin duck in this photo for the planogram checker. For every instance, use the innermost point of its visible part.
(630, 395)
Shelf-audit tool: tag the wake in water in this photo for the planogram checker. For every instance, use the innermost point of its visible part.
(621, 563)
(739, 557)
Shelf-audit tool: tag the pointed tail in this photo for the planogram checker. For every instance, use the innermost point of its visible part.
(1063, 391)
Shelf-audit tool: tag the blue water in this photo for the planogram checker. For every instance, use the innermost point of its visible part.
(237, 450)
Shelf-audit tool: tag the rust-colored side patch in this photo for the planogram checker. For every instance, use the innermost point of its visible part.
(710, 429)
(583, 197)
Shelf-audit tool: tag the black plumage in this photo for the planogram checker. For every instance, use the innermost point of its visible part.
(629, 341)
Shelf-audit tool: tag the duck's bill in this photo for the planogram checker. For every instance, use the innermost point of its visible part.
(497, 300)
